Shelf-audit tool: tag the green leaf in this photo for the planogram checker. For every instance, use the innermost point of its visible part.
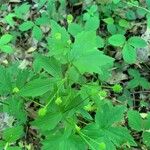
(146, 138)
(135, 120)
(7, 49)
(134, 73)
(112, 29)
(47, 122)
(138, 80)
(129, 54)
(137, 42)
(74, 29)
(107, 116)
(92, 23)
(133, 84)
(100, 42)
(12, 134)
(26, 26)
(14, 106)
(113, 137)
(146, 123)
(51, 65)
(9, 19)
(117, 40)
(130, 15)
(37, 33)
(5, 39)
(61, 142)
(124, 23)
(36, 87)
(85, 49)
(109, 20)
(5, 81)
(144, 83)
(22, 10)
(116, 1)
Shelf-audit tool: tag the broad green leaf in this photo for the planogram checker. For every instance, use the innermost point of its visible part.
(5, 39)
(14, 106)
(135, 120)
(133, 83)
(26, 26)
(144, 83)
(137, 42)
(9, 19)
(107, 116)
(116, 1)
(109, 20)
(117, 40)
(146, 138)
(85, 49)
(112, 29)
(113, 137)
(146, 121)
(22, 10)
(51, 65)
(100, 42)
(36, 87)
(12, 134)
(37, 33)
(138, 80)
(6, 48)
(47, 122)
(43, 20)
(60, 142)
(5, 81)
(130, 14)
(124, 23)
(129, 54)
(134, 73)
(92, 23)
(22, 77)
(74, 29)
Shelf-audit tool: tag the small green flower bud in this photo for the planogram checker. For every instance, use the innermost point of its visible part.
(77, 128)
(117, 88)
(15, 90)
(103, 94)
(102, 146)
(69, 18)
(42, 111)
(58, 101)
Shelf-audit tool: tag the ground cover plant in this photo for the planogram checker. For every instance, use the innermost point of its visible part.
(74, 75)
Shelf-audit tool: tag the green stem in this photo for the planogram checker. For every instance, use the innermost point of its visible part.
(39, 104)
(6, 146)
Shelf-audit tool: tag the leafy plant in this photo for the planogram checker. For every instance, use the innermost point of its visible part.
(62, 93)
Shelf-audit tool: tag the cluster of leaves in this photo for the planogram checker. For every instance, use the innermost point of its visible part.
(55, 96)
